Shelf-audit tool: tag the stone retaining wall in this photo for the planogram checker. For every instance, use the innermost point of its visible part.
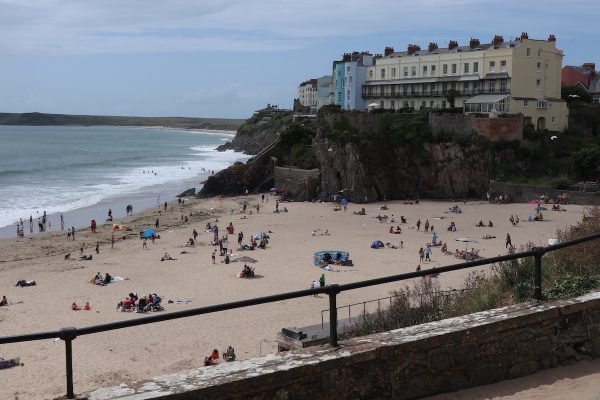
(508, 127)
(299, 184)
(403, 364)
(525, 193)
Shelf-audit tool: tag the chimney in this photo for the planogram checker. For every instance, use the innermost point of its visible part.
(590, 66)
(413, 48)
(452, 44)
(524, 36)
(474, 43)
(552, 38)
(347, 57)
(388, 50)
(498, 40)
(432, 47)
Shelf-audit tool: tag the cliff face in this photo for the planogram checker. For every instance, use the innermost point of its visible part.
(259, 131)
(363, 157)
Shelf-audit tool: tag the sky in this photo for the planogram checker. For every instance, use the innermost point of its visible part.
(228, 58)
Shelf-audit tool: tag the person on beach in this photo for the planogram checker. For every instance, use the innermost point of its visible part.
(81, 249)
(427, 226)
(195, 235)
(212, 359)
(73, 233)
(112, 241)
(68, 235)
(97, 247)
(157, 223)
(62, 222)
(421, 254)
(31, 224)
(419, 224)
(87, 306)
(427, 253)
(75, 307)
(214, 256)
(508, 241)
(322, 280)
(145, 244)
(4, 301)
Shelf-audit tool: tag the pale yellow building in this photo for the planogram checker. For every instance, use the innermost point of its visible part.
(519, 76)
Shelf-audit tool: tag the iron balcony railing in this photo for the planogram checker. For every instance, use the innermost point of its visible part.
(70, 333)
(426, 93)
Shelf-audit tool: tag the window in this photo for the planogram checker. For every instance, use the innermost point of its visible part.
(433, 87)
(370, 90)
(424, 70)
(405, 71)
(475, 86)
(445, 69)
(503, 86)
(381, 104)
(350, 80)
(433, 70)
(393, 72)
(431, 103)
(382, 73)
(453, 68)
(348, 68)
(525, 103)
(503, 65)
(553, 120)
(413, 71)
(348, 95)
(392, 104)
(538, 84)
(542, 104)
(370, 73)
(465, 87)
(492, 86)
(406, 104)
(466, 68)
(539, 67)
(443, 104)
(412, 103)
(529, 52)
(539, 52)
(475, 67)
(492, 66)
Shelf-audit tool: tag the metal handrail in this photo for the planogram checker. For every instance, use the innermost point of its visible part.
(70, 333)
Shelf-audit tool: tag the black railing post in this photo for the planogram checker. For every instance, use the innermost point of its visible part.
(68, 334)
(332, 291)
(537, 291)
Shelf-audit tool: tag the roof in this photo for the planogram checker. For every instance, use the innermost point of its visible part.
(487, 98)
(459, 49)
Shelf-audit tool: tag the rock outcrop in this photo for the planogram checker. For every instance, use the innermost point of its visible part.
(187, 193)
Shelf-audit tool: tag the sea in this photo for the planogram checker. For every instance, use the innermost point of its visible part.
(81, 172)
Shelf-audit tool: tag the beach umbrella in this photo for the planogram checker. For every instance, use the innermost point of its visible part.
(540, 208)
(466, 240)
(246, 259)
(148, 233)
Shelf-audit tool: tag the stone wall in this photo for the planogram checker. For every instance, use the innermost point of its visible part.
(403, 364)
(299, 184)
(501, 128)
(525, 193)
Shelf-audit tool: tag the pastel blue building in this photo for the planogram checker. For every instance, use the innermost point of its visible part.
(349, 75)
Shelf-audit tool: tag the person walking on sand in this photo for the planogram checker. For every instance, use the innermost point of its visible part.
(31, 224)
(112, 241)
(322, 280)
(427, 226)
(157, 223)
(508, 241)
(214, 256)
(258, 208)
(421, 254)
(145, 244)
(97, 247)
(81, 249)
(73, 233)
(419, 224)
(62, 222)
(263, 198)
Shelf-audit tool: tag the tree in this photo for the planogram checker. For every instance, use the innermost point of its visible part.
(574, 94)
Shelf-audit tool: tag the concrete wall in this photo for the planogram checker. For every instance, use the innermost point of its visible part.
(525, 193)
(505, 128)
(406, 363)
(300, 184)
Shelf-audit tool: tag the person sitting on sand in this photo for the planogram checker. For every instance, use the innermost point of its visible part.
(166, 257)
(480, 224)
(488, 236)
(247, 272)
(4, 301)
(402, 219)
(444, 248)
(75, 307)
(212, 359)
(398, 230)
(87, 306)
(107, 279)
(490, 224)
(98, 279)
(229, 354)
(391, 229)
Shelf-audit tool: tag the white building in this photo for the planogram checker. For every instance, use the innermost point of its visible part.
(307, 93)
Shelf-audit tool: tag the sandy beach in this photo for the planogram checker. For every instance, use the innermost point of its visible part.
(110, 358)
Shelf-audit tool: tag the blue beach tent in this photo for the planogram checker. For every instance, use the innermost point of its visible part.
(377, 244)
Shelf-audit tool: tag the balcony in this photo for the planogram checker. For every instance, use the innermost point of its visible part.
(389, 94)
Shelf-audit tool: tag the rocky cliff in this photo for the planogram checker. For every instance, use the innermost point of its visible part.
(376, 156)
(259, 131)
(369, 156)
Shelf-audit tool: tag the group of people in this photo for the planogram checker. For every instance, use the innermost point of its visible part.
(214, 358)
(152, 302)
(247, 272)
(101, 281)
(482, 225)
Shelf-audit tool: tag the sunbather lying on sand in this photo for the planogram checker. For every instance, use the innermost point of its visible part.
(167, 257)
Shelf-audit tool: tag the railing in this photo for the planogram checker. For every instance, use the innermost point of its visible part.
(69, 334)
(429, 93)
(442, 293)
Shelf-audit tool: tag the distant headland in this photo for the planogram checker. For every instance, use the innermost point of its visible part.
(42, 119)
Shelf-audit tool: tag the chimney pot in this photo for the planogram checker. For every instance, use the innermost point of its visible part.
(413, 48)
(552, 38)
(473, 43)
(498, 40)
(452, 44)
(432, 47)
(524, 36)
(388, 50)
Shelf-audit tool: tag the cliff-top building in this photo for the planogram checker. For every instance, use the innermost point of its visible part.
(519, 76)
(585, 76)
(349, 76)
(307, 93)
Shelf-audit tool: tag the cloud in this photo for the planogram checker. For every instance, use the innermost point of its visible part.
(136, 26)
